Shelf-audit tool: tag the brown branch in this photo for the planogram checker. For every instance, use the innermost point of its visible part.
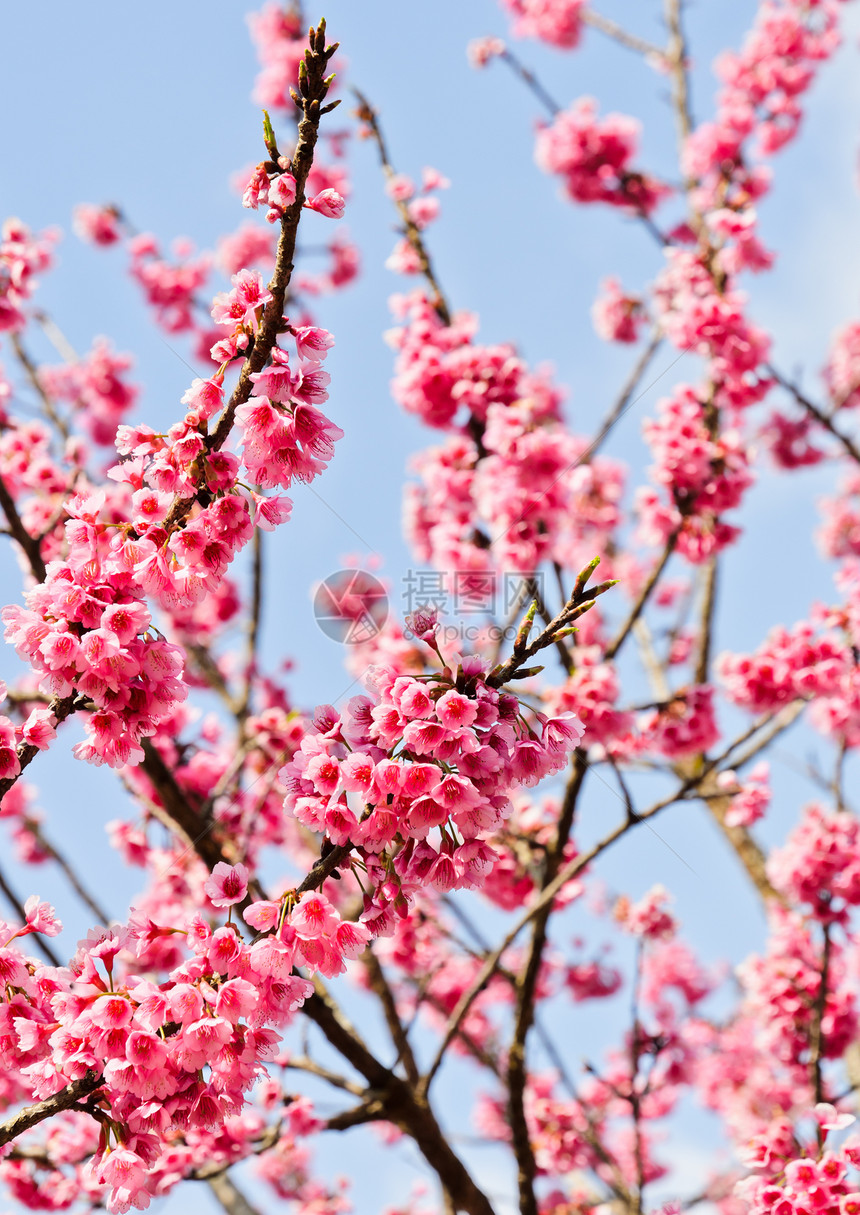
(61, 707)
(817, 413)
(32, 373)
(230, 1196)
(356, 1115)
(195, 829)
(643, 596)
(709, 602)
(526, 988)
(29, 544)
(380, 985)
(304, 1064)
(65, 1099)
(614, 31)
(676, 56)
(404, 1106)
(817, 1043)
(625, 397)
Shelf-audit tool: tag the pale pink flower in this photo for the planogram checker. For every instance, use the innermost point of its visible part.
(327, 202)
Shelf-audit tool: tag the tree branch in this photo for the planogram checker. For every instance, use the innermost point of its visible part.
(65, 1099)
(817, 413)
(526, 987)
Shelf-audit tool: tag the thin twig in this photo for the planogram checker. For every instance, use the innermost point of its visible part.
(368, 115)
(624, 397)
(531, 81)
(526, 990)
(815, 411)
(32, 372)
(614, 31)
(643, 596)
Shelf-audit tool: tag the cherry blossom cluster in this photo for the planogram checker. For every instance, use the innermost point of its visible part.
(95, 386)
(618, 317)
(803, 663)
(87, 632)
(515, 465)
(172, 289)
(151, 1043)
(23, 255)
(819, 865)
(285, 437)
(704, 475)
(782, 989)
(798, 1167)
(273, 185)
(427, 763)
(695, 314)
(594, 157)
(37, 480)
(97, 225)
(557, 22)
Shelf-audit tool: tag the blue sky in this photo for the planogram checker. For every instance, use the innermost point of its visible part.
(149, 106)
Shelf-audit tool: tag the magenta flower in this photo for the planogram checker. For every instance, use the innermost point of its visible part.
(228, 884)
